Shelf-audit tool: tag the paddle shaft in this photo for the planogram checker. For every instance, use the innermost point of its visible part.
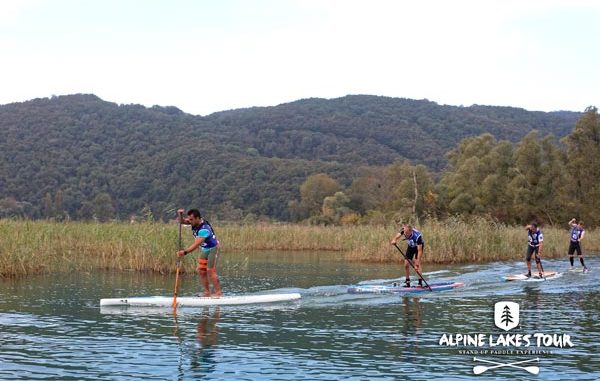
(481, 368)
(414, 268)
(178, 267)
(541, 267)
(176, 284)
(478, 369)
(500, 363)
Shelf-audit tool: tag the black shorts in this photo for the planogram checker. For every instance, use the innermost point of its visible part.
(531, 250)
(412, 252)
(573, 247)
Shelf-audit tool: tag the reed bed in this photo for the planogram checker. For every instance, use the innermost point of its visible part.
(33, 247)
(456, 241)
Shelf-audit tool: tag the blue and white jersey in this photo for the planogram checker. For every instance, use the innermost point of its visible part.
(414, 239)
(576, 233)
(205, 231)
(535, 237)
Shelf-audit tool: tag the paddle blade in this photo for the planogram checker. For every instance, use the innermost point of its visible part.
(478, 369)
(532, 369)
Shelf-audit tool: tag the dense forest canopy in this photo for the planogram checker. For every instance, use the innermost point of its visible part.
(78, 156)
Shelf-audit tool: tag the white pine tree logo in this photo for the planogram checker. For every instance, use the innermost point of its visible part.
(506, 315)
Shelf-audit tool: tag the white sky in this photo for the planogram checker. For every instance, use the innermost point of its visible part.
(205, 56)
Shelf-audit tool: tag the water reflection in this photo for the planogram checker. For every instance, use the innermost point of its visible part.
(207, 330)
(197, 355)
(533, 302)
(412, 315)
(207, 335)
(48, 333)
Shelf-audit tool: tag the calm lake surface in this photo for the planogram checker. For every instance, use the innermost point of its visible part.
(51, 327)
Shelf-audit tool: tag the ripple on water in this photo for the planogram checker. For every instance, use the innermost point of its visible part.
(53, 328)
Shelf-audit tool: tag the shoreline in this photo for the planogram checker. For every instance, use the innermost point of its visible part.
(38, 247)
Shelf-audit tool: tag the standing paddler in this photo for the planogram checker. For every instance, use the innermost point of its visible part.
(577, 234)
(414, 250)
(206, 240)
(535, 242)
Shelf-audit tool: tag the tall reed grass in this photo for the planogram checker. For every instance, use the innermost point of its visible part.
(31, 247)
(456, 241)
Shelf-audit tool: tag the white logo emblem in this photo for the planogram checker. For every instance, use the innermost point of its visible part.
(506, 315)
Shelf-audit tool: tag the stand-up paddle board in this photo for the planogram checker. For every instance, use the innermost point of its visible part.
(399, 289)
(579, 270)
(167, 301)
(535, 277)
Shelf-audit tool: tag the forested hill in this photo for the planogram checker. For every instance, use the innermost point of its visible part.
(377, 130)
(74, 155)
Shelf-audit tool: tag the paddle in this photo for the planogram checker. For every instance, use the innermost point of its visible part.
(478, 369)
(176, 284)
(409, 261)
(541, 267)
(178, 267)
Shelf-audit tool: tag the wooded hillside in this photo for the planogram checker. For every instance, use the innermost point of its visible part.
(78, 156)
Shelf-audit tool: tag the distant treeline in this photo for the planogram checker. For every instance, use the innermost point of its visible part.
(356, 159)
(538, 179)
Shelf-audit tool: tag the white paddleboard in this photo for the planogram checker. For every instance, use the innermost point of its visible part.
(193, 301)
(535, 277)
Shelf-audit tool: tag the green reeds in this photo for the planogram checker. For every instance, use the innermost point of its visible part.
(33, 247)
(456, 241)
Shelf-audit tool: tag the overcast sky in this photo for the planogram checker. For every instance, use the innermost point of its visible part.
(207, 56)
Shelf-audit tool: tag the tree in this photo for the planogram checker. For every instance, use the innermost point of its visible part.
(583, 165)
(10, 207)
(314, 190)
(539, 176)
(102, 207)
(336, 206)
(372, 189)
(59, 204)
(47, 206)
(413, 193)
(477, 178)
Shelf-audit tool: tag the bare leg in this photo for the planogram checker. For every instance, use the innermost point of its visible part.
(417, 264)
(204, 282)
(214, 279)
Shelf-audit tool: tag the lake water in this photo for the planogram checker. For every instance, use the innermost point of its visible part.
(52, 327)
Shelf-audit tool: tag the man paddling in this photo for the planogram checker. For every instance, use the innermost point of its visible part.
(577, 234)
(206, 240)
(535, 242)
(413, 250)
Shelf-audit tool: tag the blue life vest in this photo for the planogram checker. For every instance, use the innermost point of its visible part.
(205, 231)
(576, 233)
(535, 237)
(412, 239)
